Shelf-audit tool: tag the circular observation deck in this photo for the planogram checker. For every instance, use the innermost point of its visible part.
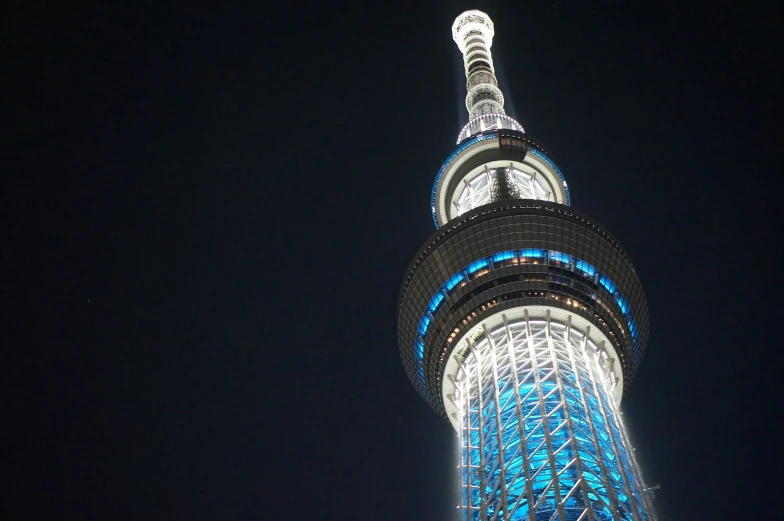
(513, 255)
(500, 164)
(486, 123)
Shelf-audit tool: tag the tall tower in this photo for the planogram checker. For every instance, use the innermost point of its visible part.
(521, 321)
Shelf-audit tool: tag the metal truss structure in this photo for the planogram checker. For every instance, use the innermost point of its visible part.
(495, 184)
(540, 432)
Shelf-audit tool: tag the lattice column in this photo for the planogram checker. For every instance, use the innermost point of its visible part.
(539, 429)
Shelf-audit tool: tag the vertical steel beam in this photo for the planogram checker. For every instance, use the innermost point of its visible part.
(499, 425)
(545, 425)
(520, 424)
(573, 440)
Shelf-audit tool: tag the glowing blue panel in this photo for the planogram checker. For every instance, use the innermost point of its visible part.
(476, 266)
(436, 301)
(560, 257)
(504, 255)
(454, 281)
(420, 349)
(622, 303)
(593, 453)
(424, 324)
(585, 268)
(608, 284)
(532, 253)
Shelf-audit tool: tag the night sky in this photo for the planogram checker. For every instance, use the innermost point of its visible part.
(208, 213)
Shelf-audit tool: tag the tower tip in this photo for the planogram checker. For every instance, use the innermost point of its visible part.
(472, 20)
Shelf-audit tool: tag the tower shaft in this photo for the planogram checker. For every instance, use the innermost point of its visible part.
(540, 434)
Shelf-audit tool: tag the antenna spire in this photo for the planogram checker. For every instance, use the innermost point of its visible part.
(473, 33)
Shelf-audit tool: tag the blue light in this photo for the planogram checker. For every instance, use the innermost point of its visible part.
(454, 281)
(420, 349)
(608, 284)
(436, 301)
(532, 253)
(585, 268)
(592, 457)
(504, 255)
(560, 257)
(476, 266)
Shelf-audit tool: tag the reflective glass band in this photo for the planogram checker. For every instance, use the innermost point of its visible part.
(562, 260)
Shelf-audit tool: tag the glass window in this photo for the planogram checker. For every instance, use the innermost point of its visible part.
(454, 281)
(585, 268)
(532, 253)
(476, 266)
(435, 301)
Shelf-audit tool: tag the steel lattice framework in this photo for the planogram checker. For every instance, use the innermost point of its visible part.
(540, 432)
(522, 321)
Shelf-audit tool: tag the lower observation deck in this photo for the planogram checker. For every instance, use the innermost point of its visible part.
(514, 254)
(464, 180)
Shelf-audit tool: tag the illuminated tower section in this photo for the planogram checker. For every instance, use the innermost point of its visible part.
(521, 321)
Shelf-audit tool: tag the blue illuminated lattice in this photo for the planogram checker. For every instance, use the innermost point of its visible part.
(524, 458)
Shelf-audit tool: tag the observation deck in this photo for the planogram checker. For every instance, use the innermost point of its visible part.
(491, 166)
(514, 254)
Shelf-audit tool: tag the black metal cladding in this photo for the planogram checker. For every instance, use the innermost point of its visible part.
(515, 225)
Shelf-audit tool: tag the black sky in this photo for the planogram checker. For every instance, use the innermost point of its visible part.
(208, 212)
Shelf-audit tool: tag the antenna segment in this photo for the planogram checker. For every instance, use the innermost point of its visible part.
(473, 33)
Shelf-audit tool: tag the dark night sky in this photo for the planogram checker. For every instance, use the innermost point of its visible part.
(208, 212)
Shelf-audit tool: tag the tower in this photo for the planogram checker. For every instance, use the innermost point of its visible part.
(521, 321)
